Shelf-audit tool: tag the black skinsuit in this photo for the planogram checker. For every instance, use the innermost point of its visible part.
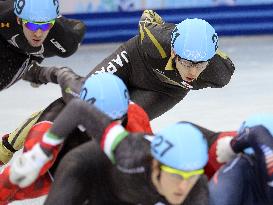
(15, 58)
(15, 52)
(145, 65)
(86, 175)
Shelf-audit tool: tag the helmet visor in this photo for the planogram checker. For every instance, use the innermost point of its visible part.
(185, 175)
(201, 65)
(45, 26)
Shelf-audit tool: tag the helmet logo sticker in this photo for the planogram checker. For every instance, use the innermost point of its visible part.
(13, 42)
(195, 55)
(19, 5)
(56, 3)
(91, 100)
(215, 40)
(57, 45)
(163, 145)
(175, 35)
(84, 94)
(5, 25)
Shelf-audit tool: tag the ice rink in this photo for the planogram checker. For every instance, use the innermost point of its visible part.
(250, 90)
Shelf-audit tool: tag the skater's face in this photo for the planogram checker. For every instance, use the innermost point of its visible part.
(172, 186)
(36, 33)
(188, 70)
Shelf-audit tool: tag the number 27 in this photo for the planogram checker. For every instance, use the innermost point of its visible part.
(161, 142)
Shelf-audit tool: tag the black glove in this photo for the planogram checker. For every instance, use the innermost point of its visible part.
(38, 74)
(32, 73)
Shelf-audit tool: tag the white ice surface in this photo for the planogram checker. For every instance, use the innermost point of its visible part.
(250, 90)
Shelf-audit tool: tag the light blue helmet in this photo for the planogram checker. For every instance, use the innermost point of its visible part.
(36, 10)
(265, 120)
(194, 40)
(108, 93)
(180, 146)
